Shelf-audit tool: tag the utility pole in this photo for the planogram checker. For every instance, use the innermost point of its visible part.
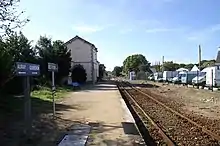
(162, 63)
(159, 66)
(200, 57)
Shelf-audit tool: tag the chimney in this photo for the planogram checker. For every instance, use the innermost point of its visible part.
(200, 57)
(217, 61)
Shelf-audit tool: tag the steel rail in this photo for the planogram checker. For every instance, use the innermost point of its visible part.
(167, 140)
(215, 136)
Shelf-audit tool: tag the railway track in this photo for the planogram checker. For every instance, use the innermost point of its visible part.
(172, 128)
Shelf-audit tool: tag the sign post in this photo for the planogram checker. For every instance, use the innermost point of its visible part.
(26, 70)
(53, 68)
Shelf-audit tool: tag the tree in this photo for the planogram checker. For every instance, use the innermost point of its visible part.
(117, 71)
(20, 48)
(181, 65)
(6, 62)
(207, 63)
(170, 66)
(13, 49)
(101, 71)
(44, 48)
(63, 58)
(157, 67)
(79, 74)
(55, 52)
(189, 66)
(10, 17)
(133, 62)
(144, 68)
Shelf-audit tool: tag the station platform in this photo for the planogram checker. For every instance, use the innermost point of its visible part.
(106, 118)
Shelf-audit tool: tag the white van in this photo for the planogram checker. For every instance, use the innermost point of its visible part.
(200, 79)
(213, 76)
(168, 75)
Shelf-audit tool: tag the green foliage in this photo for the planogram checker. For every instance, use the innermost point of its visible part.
(189, 66)
(44, 93)
(10, 17)
(13, 49)
(79, 74)
(20, 48)
(144, 68)
(171, 66)
(206, 63)
(117, 71)
(157, 67)
(55, 52)
(133, 62)
(141, 75)
(101, 71)
(63, 59)
(6, 62)
(45, 50)
(17, 48)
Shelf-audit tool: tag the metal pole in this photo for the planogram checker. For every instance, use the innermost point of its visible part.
(200, 57)
(212, 80)
(186, 79)
(27, 103)
(53, 91)
(197, 79)
(162, 64)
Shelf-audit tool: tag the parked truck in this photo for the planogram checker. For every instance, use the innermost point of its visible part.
(151, 77)
(158, 76)
(168, 75)
(186, 77)
(201, 78)
(213, 76)
(177, 78)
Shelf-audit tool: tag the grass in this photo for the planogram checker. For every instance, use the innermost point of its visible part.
(10, 104)
(12, 115)
(45, 93)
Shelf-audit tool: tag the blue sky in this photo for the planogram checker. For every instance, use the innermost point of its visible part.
(118, 28)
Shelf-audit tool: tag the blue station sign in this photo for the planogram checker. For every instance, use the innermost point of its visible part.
(27, 69)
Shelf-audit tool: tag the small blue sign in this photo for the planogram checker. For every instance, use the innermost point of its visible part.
(75, 84)
(52, 67)
(27, 69)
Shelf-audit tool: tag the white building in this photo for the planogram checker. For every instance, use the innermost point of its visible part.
(85, 54)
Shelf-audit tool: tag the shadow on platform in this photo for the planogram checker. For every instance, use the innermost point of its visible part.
(101, 86)
(129, 129)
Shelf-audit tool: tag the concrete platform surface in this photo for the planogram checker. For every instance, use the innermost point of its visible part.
(102, 107)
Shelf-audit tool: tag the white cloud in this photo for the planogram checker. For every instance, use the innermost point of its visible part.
(193, 38)
(157, 30)
(149, 23)
(215, 28)
(204, 34)
(87, 29)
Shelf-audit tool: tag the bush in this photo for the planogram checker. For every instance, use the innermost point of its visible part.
(79, 74)
(14, 86)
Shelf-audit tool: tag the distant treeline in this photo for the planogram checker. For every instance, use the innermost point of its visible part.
(171, 66)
